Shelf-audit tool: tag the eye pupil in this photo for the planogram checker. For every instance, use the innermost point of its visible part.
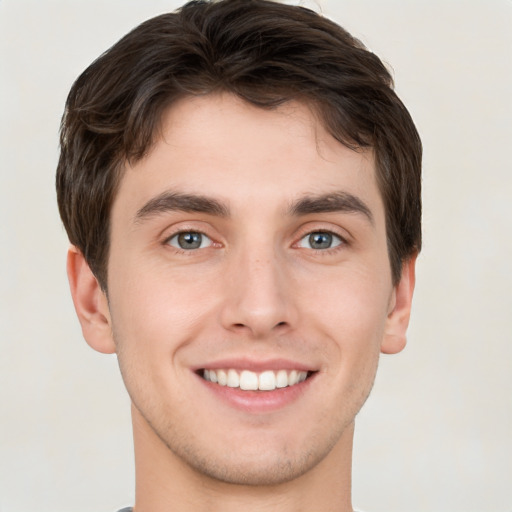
(320, 240)
(190, 240)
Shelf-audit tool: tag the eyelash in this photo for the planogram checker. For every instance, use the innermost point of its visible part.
(329, 250)
(180, 250)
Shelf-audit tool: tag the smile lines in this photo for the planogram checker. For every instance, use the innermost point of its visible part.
(252, 381)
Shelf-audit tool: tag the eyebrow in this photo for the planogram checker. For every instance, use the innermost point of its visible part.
(332, 202)
(323, 203)
(176, 201)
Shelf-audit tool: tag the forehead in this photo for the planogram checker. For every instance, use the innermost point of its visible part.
(227, 121)
(222, 146)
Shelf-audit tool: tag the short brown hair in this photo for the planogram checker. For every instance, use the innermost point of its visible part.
(266, 53)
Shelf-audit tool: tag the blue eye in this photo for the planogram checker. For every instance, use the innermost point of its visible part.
(189, 240)
(320, 240)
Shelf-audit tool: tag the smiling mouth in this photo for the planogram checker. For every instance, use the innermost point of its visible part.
(247, 380)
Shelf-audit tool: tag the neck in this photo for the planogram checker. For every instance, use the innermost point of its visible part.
(165, 483)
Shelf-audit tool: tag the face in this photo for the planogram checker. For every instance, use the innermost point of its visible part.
(249, 288)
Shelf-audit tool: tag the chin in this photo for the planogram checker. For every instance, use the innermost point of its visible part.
(267, 469)
(249, 461)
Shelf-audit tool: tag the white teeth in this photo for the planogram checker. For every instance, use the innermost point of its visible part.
(233, 379)
(281, 379)
(251, 381)
(267, 381)
(222, 377)
(248, 380)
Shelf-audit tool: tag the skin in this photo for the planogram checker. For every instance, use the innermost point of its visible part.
(256, 290)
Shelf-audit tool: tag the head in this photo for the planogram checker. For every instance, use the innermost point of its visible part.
(265, 53)
(242, 187)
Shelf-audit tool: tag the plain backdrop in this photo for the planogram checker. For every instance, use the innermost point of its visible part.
(436, 433)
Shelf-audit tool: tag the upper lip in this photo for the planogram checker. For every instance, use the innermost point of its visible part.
(256, 365)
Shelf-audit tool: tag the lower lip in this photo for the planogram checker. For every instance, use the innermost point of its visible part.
(258, 402)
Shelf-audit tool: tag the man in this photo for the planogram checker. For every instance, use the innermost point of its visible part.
(241, 189)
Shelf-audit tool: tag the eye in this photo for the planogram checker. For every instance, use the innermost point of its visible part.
(320, 240)
(189, 240)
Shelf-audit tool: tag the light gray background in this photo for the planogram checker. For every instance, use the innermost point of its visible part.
(436, 433)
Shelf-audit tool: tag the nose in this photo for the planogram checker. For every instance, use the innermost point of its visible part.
(259, 296)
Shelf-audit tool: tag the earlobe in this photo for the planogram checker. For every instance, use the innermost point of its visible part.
(398, 318)
(90, 302)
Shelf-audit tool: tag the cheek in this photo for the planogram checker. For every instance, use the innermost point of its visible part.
(156, 309)
(352, 307)
(153, 318)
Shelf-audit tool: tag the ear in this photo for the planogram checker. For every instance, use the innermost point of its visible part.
(90, 302)
(400, 310)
